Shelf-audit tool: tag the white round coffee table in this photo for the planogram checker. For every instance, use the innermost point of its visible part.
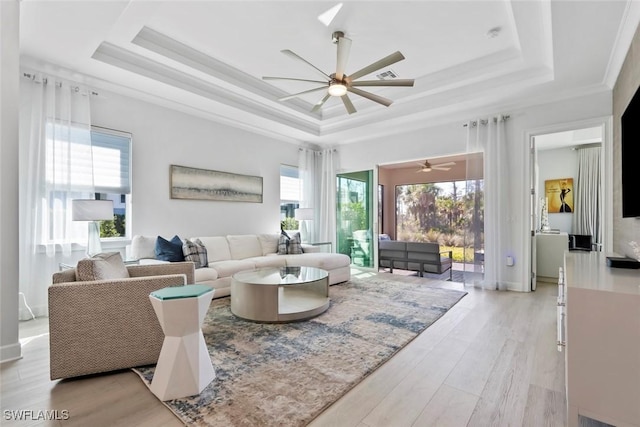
(282, 294)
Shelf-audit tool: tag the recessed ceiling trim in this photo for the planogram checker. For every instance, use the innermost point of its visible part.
(132, 62)
(472, 93)
(462, 75)
(170, 48)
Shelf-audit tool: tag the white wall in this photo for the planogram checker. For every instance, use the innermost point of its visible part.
(9, 106)
(556, 164)
(450, 139)
(162, 137)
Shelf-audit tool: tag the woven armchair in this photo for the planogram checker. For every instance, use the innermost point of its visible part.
(106, 325)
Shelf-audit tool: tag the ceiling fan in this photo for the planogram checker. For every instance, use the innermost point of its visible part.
(338, 83)
(428, 167)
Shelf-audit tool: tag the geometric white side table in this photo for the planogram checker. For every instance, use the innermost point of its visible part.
(184, 367)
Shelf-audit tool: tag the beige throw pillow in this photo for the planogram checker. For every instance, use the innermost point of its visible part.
(104, 266)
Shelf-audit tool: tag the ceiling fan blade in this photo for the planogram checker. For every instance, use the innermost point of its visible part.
(373, 97)
(344, 46)
(384, 62)
(445, 164)
(348, 104)
(302, 93)
(291, 78)
(399, 82)
(298, 57)
(320, 103)
(439, 168)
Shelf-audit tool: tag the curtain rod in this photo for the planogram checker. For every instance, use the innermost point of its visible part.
(485, 121)
(58, 84)
(583, 146)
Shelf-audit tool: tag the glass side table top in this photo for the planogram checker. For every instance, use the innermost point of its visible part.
(281, 276)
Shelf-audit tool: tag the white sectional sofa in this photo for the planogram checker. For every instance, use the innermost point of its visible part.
(229, 254)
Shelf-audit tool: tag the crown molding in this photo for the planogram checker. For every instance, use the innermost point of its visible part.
(168, 47)
(130, 61)
(626, 33)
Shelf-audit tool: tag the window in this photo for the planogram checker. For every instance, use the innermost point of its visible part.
(99, 168)
(289, 195)
(448, 213)
(112, 176)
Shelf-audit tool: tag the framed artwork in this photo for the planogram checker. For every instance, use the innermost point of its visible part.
(203, 184)
(559, 193)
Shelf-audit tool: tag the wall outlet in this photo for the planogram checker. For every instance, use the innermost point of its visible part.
(510, 261)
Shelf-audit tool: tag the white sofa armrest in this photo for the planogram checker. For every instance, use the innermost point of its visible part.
(310, 249)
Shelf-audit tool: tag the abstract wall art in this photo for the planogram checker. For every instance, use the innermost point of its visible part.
(203, 184)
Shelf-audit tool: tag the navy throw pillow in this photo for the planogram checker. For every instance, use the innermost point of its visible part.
(169, 250)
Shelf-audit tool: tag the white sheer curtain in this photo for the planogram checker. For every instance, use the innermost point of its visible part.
(588, 196)
(54, 139)
(488, 136)
(308, 163)
(327, 220)
(318, 170)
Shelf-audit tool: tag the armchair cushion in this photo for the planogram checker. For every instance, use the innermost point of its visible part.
(104, 266)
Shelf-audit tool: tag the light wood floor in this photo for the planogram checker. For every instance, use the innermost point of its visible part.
(489, 361)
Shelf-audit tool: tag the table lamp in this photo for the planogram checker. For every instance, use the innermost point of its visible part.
(92, 211)
(303, 215)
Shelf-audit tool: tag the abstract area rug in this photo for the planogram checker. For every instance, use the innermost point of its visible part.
(287, 374)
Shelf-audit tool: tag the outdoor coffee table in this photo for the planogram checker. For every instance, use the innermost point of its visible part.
(282, 294)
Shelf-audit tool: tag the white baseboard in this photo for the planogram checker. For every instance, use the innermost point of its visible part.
(10, 352)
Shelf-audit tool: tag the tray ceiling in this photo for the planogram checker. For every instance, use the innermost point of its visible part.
(208, 57)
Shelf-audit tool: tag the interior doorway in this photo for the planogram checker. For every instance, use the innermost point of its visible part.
(567, 196)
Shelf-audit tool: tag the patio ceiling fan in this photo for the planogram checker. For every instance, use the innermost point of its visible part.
(338, 84)
(428, 167)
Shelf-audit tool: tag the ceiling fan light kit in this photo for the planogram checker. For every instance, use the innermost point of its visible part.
(339, 84)
(337, 89)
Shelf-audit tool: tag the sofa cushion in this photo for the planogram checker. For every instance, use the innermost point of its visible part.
(295, 244)
(195, 252)
(324, 260)
(169, 250)
(217, 248)
(269, 243)
(244, 246)
(143, 247)
(283, 243)
(268, 261)
(104, 266)
(232, 266)
(204, 274)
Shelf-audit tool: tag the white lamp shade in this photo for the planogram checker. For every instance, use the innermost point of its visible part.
(91, 210)
(303, 214)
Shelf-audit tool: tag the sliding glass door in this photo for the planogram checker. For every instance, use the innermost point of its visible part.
(355, 217)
